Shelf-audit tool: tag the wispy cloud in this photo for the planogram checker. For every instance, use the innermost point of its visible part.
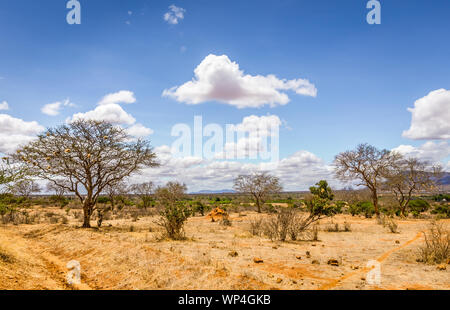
(53, 109)
(4, 106)
(175, 15)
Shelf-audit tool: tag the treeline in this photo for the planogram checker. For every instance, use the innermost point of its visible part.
(91, 160)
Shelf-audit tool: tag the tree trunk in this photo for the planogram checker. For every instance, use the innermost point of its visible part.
(258, 204)
(375, 203)
(404, 210)
(87, 210)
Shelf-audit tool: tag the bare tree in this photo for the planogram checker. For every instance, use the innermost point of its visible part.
(113, 190)
(368, 166)
(25, 188)
(10, 173)
(259, 185)
(57, 190)
(171, 193)
(144, 191)
(410, 176)
(84, 157)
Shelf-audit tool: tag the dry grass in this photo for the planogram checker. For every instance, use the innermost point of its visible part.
(117, 257)
(436, 248)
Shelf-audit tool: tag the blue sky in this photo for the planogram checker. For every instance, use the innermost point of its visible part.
(366, 75)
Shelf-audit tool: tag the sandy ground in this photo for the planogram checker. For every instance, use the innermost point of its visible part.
(35, 257)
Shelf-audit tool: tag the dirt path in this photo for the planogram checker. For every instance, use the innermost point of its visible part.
(25, 264)
(333, 284)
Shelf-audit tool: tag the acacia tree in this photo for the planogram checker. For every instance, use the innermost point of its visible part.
(259, 185)
(409, 176)
(144, 191)
(24, 188)
(319, 205)
(84, 157)
(367, 165)
(10, 173)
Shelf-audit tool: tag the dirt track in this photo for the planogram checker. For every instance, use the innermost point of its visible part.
(115, 258)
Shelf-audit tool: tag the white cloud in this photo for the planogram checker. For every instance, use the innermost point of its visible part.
(54, 109)
(261, 124)
(297, 172)
(430, 117)
(255, 131)
(139, 131)
(112, 113)
(430, 151)
(15, 132)
(123, 96)
(174, 15)
(219, 79)
(4, 106)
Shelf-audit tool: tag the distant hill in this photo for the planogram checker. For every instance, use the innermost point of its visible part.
(223, 191)
(445, 180)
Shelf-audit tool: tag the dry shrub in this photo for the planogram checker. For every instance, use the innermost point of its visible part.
(436, 249)
(332, 227)
(6, 257)
(392, 225)
(335, 227)
(388, 222)
(256, 227)
(347, 227)
(288, 223)
(16, 217)
(225, 221)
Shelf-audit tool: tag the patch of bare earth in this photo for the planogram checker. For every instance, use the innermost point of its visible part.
(127, 255)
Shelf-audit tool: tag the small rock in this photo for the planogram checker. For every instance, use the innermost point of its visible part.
(397, 241)
(279, 280)
(313, 244)
(333, 262)
(353, 267)
(233, 254)
(448, 261)
(274, 247)
(315, 262)
(308, 254)
(442, 267)
(363, 279)
(298, 257)
(257, 260)
(294, 282)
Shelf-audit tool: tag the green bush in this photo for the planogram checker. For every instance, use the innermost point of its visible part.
(103, 199)
(442, 210)
(199, 207)
(441, 197)
(363, 207)
(418, 206)
(173, 218)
